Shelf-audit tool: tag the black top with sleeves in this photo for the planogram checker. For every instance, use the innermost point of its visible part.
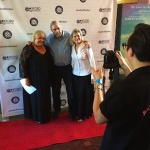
(35, 66)
(38, 68)
(127, 107)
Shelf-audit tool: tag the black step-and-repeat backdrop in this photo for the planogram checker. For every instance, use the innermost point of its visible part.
(20, 18)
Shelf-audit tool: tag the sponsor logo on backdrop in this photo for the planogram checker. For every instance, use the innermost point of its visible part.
(63, 102)
(104, 21)
(14, 90)
(103, 31)
(15, 109)
(103, 51)
(59, 9)
(6, 46)
(29, 33)
(105, 10)
(11, 69)
(6, 8)
(62, 21)
(83, 21)
(83, 32)
(83, 1)
(6, 22)
(10, 57)
(82, 9)
(7, 80)
(31, 9)
(33, 21)
(15, 100)
(103, 41)
(7, 34)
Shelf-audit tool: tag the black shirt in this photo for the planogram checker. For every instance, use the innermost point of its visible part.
(127, 107)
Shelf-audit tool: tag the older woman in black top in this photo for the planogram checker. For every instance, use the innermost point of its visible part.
(35, 66)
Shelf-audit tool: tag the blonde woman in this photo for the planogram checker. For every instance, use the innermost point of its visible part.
(82, 60)
(35, 66)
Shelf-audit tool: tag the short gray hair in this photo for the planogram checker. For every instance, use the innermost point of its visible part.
(53, 23)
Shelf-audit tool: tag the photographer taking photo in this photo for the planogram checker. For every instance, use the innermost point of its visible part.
(126, 106)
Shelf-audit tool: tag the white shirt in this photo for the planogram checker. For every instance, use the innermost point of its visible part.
(82, 60)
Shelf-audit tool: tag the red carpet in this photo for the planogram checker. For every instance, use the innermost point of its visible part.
(27, 134)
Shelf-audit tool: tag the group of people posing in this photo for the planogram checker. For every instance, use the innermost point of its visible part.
(45, 62)
(126, 105)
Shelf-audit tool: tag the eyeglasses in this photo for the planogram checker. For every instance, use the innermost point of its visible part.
(124, 45)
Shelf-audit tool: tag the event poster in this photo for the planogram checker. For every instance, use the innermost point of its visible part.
(133, 14)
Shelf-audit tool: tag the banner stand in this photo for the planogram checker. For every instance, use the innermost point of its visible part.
(96, 20)
(3, 119)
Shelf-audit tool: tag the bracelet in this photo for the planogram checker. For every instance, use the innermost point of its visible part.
(99, 81)
(98, 86)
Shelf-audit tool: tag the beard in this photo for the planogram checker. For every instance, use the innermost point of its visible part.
(58, 35)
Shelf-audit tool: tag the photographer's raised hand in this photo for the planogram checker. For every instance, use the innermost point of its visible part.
(123, 63)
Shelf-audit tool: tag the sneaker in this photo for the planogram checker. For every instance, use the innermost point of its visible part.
(39, 122)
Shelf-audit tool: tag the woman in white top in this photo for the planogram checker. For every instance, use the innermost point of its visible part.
(82, 60)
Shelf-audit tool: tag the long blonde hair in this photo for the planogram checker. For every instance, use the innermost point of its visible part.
(73, 32)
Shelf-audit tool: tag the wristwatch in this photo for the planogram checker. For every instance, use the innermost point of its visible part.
(98, 86)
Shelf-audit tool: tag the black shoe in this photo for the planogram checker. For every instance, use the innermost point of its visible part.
(55, 115)
(59, 109)
(72, 118)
